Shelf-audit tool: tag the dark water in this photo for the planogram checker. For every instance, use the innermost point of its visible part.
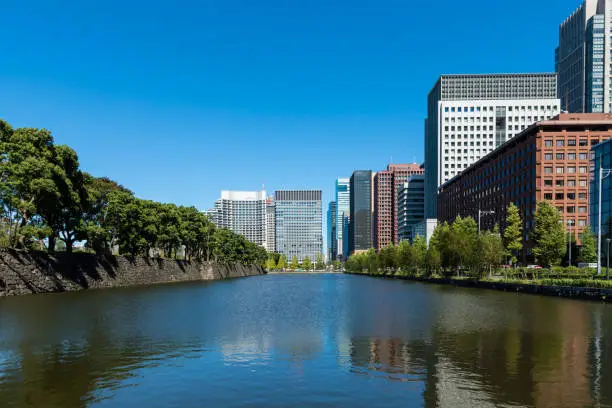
(303, 341)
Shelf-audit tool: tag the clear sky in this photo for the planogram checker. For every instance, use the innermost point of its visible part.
(179, 100)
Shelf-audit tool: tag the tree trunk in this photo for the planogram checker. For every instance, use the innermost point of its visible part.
(51, 247)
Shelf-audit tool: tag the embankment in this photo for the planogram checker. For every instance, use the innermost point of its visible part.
(574, 292)
(24, 273)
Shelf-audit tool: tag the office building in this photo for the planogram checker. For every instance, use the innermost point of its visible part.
(299, 223)
(243, 212)
(549, 161)
(332, 225)
(602, 157)
(343, 208)
(411, 206)
(387, 184)
(424, 228)
(360, 221)
(582, 58)
(270, 225)
(470, 115)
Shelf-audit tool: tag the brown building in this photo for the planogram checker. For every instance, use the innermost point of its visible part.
(386, 186)
(549, 160)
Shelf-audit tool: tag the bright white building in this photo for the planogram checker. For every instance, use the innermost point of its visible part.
(470, 115)
(343, 208)
(243, 212)
(270, 225)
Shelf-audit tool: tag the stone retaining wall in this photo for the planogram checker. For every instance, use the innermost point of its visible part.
(23, 273)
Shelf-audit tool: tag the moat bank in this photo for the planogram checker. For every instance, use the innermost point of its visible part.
(575, 292)
(24, 273)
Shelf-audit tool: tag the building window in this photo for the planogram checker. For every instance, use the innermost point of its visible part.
(571, 142)
(571, 196)
(571, 169)
(582, 210)
(560, 143)
(548, 143)
(582, 196)
(548, 183)
(582, 169)
(559, 183)
(548, 170)
(548, 196)
(582, 156)
(571, 156)
(560, 156)
(582, 183)
(571, 209)
(559, 170)
(581, 223)
(548, 156)
(558, 196)
(571, 183)
(583, 142)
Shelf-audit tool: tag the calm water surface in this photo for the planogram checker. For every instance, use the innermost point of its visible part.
(303, 341)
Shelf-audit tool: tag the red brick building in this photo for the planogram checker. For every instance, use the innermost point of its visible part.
(386, 187)
(549, 160)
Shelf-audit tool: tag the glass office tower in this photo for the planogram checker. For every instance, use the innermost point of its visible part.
(360, 222)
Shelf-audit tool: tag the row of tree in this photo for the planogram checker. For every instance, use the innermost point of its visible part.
(459, 247)
(45, 197)
(279, 262)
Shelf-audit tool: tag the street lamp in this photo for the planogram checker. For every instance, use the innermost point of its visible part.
(603, 173)
(480, 212)
(569, 244)
(608, 262)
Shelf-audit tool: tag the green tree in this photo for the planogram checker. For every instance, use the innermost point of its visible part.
(419, 251)
(513, 233)
(404, 255)
(294, 263)
(548, 235)
(307, 263)
(270, 264)
(319, 264)
(282, 262)
(388, 257)
(489, 252)
(588, 247)
(336, 265)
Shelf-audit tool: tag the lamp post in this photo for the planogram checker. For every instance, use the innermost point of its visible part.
(569, 244)
(480, 212)
(603, 173)
(608, 261)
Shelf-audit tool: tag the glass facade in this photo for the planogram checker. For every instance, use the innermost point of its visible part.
(343, 207)
(360, 223)
(602, 157)
(332, 222)
(595, 64)
(299, 224)
(411, 204)
(243, 212)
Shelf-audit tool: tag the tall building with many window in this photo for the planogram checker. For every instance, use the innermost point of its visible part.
(343, 208)
(299, 223)
(243, 212)
(411, 206)
(332, 224)
(360, 222)
(470, 115)
(387, 184)
(582, 58)
(270, 225)
(549, 161)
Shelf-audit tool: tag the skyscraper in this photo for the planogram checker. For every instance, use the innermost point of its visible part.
(343, 208)
(470, 115)
(387, 184)
(299, 223)
(360, 222)
(332, 224)
(243, 212)
(411, 205)
(582, 58)
(270, 225)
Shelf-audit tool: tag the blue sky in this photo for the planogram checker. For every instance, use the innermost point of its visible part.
(179, 100)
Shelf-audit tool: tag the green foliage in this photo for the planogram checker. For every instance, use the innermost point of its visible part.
(336, 265)
(270, 263)
(549, 235)
(513, 233)
(45, 197)
(294, 263)
(307, 264)
(282, 262)
(319, 264)
(588, 247)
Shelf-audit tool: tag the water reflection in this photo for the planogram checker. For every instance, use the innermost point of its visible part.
(304, 341)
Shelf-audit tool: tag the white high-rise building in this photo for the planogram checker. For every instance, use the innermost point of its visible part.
(243, 212)
(470, 115)
(583, 58)
(343, 208)
(270, 225)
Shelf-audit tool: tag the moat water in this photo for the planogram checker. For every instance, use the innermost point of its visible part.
(303, 341)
